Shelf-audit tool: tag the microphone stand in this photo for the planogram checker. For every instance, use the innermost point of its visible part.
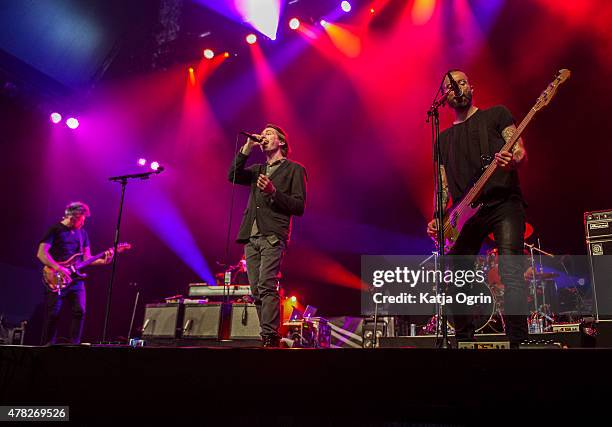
(123, 180)
(433, 117)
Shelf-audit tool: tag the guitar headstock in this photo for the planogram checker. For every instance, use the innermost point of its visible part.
(549, 93)
(123, 247)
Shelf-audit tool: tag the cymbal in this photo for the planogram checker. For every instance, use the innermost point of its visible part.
(526, 235)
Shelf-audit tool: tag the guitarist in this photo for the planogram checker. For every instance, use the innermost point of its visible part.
(474, 139)
(62, 241)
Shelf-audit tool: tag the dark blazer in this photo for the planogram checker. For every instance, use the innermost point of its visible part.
(273, 213)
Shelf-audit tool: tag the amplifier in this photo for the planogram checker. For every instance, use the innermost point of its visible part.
(162, 320)
(600, 261)
(244, 323)
(598, 224)
(202, 321)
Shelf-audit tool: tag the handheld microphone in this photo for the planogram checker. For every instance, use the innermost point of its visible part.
(454, 85)
(255, 138)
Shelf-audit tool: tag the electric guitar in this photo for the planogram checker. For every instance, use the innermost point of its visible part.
(56, 281)
(454, 220)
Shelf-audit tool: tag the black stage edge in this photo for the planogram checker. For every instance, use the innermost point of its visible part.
(309, 387)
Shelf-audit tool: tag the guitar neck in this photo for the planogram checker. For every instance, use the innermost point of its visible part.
(88, 261)
(476, 190)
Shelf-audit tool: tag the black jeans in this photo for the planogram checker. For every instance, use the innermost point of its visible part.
(75, 295)
(263, 261)
(507, 222)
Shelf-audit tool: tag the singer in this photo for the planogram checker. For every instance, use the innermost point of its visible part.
(278, 191)
(466, 148)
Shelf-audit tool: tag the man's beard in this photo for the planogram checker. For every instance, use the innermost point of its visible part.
(461, 103)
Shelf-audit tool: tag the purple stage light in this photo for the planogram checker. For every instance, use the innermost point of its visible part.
(294, 24)
(142, 161)
(72, 123)
(346, 6)
(154, 166)
(55, 117)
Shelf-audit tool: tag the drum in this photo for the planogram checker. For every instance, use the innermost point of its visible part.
(486, 317)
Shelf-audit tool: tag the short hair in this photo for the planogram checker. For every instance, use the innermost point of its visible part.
(282, 135)
(77, 208)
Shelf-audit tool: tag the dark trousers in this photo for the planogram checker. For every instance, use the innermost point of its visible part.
(507, 222)
(75, 295)
(263, 261)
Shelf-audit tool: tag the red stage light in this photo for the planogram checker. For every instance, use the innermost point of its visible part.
(209, 54)
(294, 24)
(251, 38)
(55, 117)
(346, 6)
(293, 299)
(226, 54)
(372, 10)
(324, 23)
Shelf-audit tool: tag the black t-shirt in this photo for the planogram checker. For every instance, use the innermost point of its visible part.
(461, 156)
(65, 241)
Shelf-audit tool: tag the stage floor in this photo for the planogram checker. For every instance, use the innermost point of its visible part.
(246, 384)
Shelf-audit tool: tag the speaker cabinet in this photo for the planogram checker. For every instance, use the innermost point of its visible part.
(202, 321)
(244, 323)
(162, 320)
(601, 277)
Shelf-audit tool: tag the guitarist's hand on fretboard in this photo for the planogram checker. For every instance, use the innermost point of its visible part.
(505, 161)
(432, 229)
(108, 256)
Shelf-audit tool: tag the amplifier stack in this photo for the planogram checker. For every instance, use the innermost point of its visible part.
(598, 232)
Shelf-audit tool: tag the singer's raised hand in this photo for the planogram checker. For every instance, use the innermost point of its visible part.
(248, 146)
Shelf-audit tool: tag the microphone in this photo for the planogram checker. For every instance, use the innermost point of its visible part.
(255, 138)
(454, 85)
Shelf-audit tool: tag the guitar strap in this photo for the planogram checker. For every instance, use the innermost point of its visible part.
(485, 152)
(81, 243)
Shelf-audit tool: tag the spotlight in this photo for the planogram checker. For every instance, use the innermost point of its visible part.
(190, 70)
(324, 23)
(55, 117)
(294, 23)
(251, 38)
(372, 10)
(154, 166)
(142, 161)
(293, 299)
(72, 123)
(346, 6)
(209, 54)
(226, 54)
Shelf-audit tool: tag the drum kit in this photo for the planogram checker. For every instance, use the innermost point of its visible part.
(540, 284)
(490, 317)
